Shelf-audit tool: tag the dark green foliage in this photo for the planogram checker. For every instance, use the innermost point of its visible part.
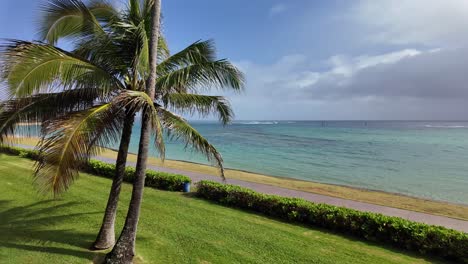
(425, 239)
(154, 179)
(23, 153)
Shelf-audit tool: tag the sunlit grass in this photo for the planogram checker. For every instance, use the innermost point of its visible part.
(174, 228)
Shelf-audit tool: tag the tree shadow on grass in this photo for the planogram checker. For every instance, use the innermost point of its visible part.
(33, 228)
(348, 237)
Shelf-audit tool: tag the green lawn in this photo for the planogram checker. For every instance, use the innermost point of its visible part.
(174, 228)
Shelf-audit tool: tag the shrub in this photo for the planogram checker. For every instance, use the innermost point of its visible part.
(425, 239)
(24, 153)
(10, 150)
(154, 179)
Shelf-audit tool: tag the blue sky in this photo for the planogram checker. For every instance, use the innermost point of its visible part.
(329, 59)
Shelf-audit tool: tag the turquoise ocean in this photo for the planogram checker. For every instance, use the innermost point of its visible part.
(427, 159)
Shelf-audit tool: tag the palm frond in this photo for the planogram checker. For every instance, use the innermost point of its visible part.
(10, 119)
(134, 12)
(163, 48)
(146, 10)
(147, 16)
(178, 128)
(42, 107)
(141, 63)
(197, 52)
(132, 42)
(201, 104)
(70, 141)
(104, 11)
(219, 74)
(137, 101)
(125, 48)
(196, 67)
(105, 52)
(30, 67)
(157, 131)
(72, 18)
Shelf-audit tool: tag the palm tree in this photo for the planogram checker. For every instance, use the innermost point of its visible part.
(124, 249)
(100, 91)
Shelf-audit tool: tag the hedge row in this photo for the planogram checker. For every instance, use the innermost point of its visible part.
(425, 239)
(154, 179)
(24, 153)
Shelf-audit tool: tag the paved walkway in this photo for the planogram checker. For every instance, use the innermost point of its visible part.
(318, 198)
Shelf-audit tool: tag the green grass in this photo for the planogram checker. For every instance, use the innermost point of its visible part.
(174, 228)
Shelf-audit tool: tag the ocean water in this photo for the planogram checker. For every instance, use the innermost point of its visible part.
(427, 159)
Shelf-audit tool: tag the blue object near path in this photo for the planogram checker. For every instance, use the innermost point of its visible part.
(187, 187)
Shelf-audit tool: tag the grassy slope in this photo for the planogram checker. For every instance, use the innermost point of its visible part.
(374, 197)
(174, 228)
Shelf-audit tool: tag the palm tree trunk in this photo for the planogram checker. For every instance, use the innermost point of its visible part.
(106, 236)
(124, 249)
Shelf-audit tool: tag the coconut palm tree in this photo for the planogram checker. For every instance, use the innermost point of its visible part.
(66, 19)
(87, 97)
(124, 249)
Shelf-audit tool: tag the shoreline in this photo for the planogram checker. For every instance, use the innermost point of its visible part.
(395, 200)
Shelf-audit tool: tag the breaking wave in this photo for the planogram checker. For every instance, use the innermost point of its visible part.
(257, 123)
(440, 126)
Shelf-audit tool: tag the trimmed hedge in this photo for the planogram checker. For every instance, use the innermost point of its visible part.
(23, 153)
(425, 239)
(154, 179)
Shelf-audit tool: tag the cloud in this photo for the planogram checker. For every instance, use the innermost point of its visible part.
(405, 84)
(422, 77)
(429, 22)
(292, 75)
(277, 9)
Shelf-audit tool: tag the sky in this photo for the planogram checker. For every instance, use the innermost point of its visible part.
(321, 59)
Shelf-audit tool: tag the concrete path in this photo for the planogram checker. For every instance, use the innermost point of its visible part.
(318, 198)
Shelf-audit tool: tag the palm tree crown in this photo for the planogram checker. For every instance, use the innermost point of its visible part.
(82, 97)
